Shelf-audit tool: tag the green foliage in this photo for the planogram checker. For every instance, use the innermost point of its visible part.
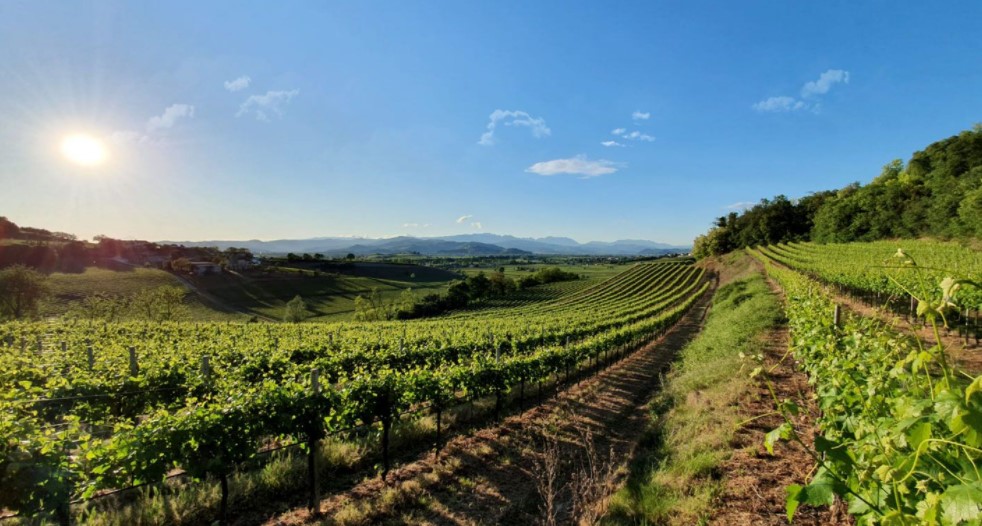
(374, 307)
(937, 193)
(672, 479)
(902, 427)
(175, 413)
(157, 304)
(296, 310)
(547, 275)
(21, 290)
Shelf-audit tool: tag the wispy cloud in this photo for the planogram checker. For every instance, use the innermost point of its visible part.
(632, 136)
(577, 165)
(810, 92)
(463, 219)
(238, 84)
(740, 205)
(262, 106)
(171, 115)
(824, 83)
(779, 104)
(612, 143)
(513, 118)
(641, 115)
(415, 225)
(638, 136)
(477, 225)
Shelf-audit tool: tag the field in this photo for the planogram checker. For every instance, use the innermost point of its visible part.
(329, 294)
(68, 289)
(221, 414)
(239, 296)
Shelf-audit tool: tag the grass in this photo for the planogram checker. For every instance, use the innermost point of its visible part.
(330, 295)
(67, 288)
(674, 479)
(182, 502)
(592, 272)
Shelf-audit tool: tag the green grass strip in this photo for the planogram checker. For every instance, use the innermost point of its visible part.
(672, 479)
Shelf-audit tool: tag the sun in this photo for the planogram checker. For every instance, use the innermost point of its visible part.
(83, 149)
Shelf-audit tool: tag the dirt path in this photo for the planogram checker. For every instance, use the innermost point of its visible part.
(491, 477)
(754, 481)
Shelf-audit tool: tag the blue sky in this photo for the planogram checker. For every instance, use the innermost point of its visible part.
(241, 120)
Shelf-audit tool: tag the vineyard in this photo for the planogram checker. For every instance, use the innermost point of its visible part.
(92, 408)
(900, 426)
(874, 271)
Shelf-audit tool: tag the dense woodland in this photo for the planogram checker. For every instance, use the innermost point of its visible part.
(938, 193)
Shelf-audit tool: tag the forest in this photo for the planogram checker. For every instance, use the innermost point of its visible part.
(937, 193)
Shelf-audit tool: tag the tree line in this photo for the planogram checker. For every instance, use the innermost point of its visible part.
(937, 193)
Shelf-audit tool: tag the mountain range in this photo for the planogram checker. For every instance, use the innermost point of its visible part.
(459, 245)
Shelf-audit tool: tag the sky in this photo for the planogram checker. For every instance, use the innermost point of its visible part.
(593, 120)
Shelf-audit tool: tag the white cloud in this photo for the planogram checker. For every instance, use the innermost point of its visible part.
(779, 104)
(240, 83)
(171, 115)
(262, 106)
(824, 83)
(641, 116)
(165, 120)
(463, 219)
(513, 118)
(740, 205)
(477, 225)
(578, 165)
(638, 136)
(811, 90)
(631, 136)
(611, 143)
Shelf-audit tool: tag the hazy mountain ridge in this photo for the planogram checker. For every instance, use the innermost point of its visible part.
(464, 244)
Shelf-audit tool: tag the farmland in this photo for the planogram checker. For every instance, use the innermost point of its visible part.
(100, 406)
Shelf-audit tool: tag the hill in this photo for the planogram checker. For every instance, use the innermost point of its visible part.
(937, 193)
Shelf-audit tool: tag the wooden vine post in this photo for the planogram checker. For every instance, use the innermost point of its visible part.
(313, 479)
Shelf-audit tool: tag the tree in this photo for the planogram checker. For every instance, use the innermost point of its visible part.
(970, 211)
(8, 230)
(373, 308)
(499, 284)
(181, 265)
(407, 300)
(350, 257)
(21, 290)
(165, 303)
(296, 310)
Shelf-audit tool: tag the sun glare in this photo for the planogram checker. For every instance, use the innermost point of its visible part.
(83, 149)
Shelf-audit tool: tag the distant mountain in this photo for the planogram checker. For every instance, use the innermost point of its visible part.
(429, 247)
(459, 245)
